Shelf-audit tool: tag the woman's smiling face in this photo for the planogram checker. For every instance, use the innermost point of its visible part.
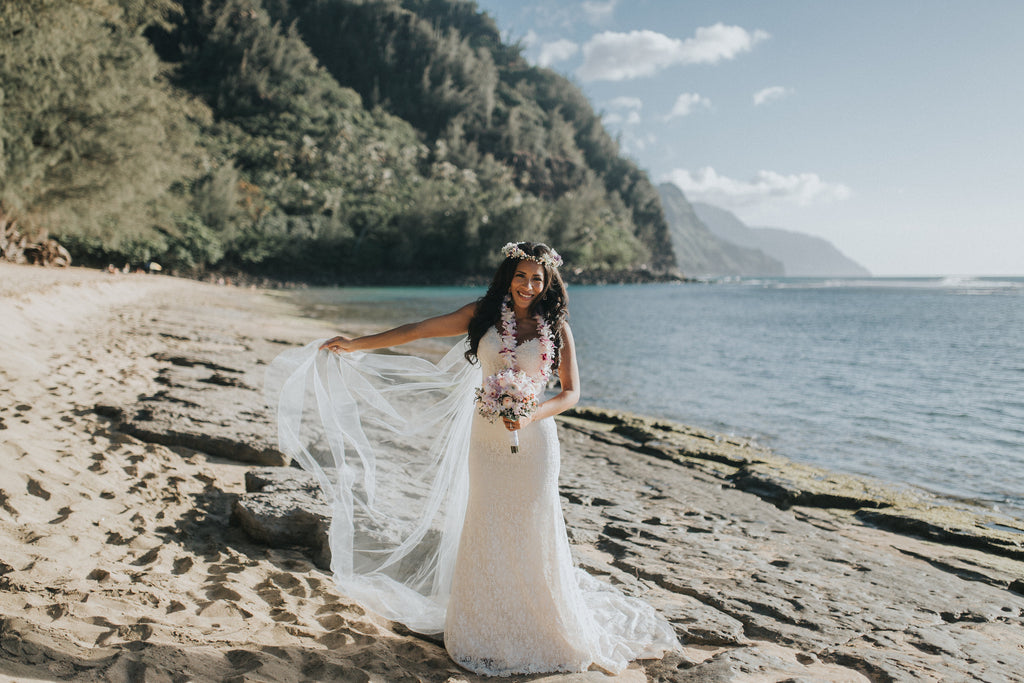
(527, 284)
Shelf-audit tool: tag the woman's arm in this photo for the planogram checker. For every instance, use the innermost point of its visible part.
(448, 325)
(568, 376)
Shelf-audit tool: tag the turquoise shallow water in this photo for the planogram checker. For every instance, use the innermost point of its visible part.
(917, 381)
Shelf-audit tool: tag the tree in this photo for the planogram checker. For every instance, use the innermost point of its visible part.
(91, 135)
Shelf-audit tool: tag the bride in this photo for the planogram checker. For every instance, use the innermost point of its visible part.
(465, 536)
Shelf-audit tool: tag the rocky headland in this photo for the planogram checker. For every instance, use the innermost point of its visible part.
(151, 531)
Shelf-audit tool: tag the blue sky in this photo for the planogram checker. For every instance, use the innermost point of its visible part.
(892, 129)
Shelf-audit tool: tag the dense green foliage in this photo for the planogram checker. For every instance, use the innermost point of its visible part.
(305, 138)
(91, 136)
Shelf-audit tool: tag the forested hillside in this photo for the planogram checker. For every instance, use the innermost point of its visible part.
(312, 139)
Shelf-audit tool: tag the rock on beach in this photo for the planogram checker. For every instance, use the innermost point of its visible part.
(150, 530)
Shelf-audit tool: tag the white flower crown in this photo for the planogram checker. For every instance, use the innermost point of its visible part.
(512, 250)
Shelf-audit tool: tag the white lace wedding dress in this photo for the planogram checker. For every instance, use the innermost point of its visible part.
(518, 604)
(461, 535)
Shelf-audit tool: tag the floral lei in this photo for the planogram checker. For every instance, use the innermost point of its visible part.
(508, 340)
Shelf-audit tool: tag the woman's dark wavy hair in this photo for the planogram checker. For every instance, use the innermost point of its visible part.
(553, 302)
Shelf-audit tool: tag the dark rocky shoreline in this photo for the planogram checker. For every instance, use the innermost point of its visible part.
(419, 278)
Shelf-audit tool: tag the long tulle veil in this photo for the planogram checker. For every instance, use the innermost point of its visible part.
(387, 437)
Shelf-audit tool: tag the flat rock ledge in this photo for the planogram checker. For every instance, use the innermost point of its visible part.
(785, 483)
(203, 405)
(283, 507)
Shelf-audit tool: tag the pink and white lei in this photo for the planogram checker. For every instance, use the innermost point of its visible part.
(508, 340)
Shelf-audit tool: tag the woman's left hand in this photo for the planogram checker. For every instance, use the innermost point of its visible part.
(513, 425)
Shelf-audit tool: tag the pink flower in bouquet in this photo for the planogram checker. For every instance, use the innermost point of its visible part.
(508, 394)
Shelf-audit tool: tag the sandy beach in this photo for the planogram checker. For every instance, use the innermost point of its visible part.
(132, 411)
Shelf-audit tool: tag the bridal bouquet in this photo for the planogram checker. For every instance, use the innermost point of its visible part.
(510, 395)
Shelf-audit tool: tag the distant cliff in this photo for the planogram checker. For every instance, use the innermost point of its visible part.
(801, 254)
(700, 252)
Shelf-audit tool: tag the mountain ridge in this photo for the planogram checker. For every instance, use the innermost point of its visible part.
(711, 242)
(700, 252)
(802, 255)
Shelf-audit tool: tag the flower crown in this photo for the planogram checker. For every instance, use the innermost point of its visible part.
(512, 250)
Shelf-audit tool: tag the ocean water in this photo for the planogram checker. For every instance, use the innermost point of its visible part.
(912, 381)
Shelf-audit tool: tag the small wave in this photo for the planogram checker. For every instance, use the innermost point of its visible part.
(983, 284)
(965, 283)
(958, 281)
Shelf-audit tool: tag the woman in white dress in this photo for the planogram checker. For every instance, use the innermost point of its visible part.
(474, 541)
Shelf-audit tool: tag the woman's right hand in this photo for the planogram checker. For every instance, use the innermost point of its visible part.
(339, 344)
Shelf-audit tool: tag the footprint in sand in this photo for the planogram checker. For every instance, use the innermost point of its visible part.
(225, 568)
(36, 489)
(243, 661)
(131, 632)
(285, 581)
(62, 515)
(332, 621)
(5, 505)
(283, 615)
(148, 558)
(98, 575)
(56, 611)
(270, 594)
(223, 593)
(342, 633)
(221, 609)
(182, 565)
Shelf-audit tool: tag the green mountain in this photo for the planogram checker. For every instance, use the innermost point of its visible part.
(702, 253)
(318, 139)
(802, 255)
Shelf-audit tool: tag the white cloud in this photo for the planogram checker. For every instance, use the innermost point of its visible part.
(767, 187)
(775, 92)
(623, 110)
(631, 143)
(556, 51)
(612, 56)
(599, 12)
(626, 102)
(687, 103)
